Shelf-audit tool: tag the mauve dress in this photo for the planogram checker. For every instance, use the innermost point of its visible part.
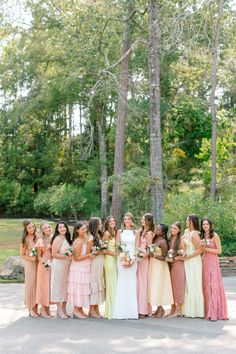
(177, 275)
(213, 289)
(142, 280)
(43, 275)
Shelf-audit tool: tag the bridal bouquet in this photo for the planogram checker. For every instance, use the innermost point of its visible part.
(33, 252)
(127, 259)
(69, 251)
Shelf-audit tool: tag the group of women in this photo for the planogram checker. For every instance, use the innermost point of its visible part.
(133, 271)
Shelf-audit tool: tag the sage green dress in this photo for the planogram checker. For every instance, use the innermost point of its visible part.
(110, 266)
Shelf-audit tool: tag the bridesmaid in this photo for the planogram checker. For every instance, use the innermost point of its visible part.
(213, 288)
(126, 306)
(61, 242)
(29, 239)
(110, 265)
(144, 238)
(80, 271)
(44, 255)
(193, 298)
(159, 283)
(97, 278)
(177, 273)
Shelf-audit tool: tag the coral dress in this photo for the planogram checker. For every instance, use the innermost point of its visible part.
(59, 275)
(43, 275)
(193, 298)
(79, 281)
(213, 288)
(97, 295)
(159, 283)
(142, 280)
(177, 275)
(110, 267)
(30, 269)
(126, 306)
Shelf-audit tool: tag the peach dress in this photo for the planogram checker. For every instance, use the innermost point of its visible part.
(59, 275)
(177, 274)
(43, 275)
(30, 278)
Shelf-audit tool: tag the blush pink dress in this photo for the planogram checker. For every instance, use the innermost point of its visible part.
(213, 289)
(79, 281)
(142, 280)
(43, 275)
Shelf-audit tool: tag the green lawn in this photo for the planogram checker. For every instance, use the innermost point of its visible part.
(10, 236)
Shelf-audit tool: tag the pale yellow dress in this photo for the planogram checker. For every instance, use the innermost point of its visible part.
(193, 297)
(159, 282)
(59, 275)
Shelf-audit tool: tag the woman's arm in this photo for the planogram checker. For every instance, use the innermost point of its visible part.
(55, 249)
(216, 250)
(78, 248)
(106, 237)
(23, 254)
(137, 238)
(195, 241)
(117, 241)
(164, 249)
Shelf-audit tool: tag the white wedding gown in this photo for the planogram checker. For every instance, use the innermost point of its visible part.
(126, 291)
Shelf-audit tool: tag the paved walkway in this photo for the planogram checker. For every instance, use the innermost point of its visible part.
(21, 334)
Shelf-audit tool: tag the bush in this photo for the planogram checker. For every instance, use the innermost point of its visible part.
(9, 192)
(222, 213)
(64, 200)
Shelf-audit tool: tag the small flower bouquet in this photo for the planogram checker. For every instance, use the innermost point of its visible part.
(103, 244)
(47, 263)
(122, 246)
(181, 252)
(140, 254)
(96, 250)
(127, 259)
(152, 248)
(170, 253)
(204, 242)
(33, 252)
(69, 251)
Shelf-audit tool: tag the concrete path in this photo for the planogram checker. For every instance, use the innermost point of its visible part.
(22, 334)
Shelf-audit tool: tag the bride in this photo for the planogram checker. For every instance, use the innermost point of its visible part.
(126, 291)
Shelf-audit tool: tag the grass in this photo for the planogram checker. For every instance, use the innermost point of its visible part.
(10, 236)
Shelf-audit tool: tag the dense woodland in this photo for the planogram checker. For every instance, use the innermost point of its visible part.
(118, 105)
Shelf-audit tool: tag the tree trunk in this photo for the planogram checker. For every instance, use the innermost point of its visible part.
(157, 193)
(103, 159)
(212, 99)
(120, 125)
(70, 128)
